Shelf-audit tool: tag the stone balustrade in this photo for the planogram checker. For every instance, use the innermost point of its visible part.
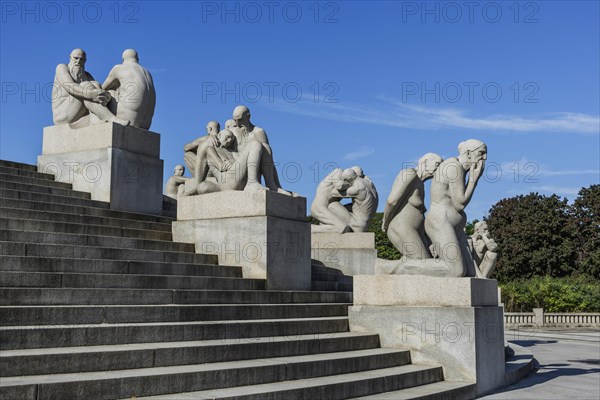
(540, 318)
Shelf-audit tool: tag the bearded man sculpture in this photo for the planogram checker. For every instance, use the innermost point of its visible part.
(75, 94)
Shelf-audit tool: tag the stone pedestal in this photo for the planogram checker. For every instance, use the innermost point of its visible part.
(454, 322)
(352, 253)
(115, 163)
(264, 232)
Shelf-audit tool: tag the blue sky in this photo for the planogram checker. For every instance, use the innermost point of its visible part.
(343, 83)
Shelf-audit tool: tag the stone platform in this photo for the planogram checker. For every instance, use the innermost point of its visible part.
(455, 322)
(351, 253)
(264, 232)
(117, 164)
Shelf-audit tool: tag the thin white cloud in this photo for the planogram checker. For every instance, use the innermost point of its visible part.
(362, 153)
(391, 112)
(569, 172)
(559, 190)
(532, 169)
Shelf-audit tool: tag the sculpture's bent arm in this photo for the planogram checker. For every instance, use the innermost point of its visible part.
(194, 144)
(74, 89)
(261, 136)
(398, 195)
(111, 82)
(459, 195)
(355, 189)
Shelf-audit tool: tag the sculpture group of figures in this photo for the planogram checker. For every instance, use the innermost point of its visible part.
(340, 184)
(239, 157)
(235, 158)
(432, 243)
(435, 243)
(126, 97)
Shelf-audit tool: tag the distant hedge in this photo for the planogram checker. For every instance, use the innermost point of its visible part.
(568, 294)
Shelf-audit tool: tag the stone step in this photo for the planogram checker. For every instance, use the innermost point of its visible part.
(40, 336)
(332, 387)
(24, 172)
(28, 180)
(107, 253)
(33, 225)
(162, 354)
(117, 314)
(120, 281)
(18, 165)
(73, 239)
(433, 391)
(25, 187)
(90, 296)
(331, 286)
(21, 213)
(55, 264)
(174, 379)
(90, 208)
(47, 198)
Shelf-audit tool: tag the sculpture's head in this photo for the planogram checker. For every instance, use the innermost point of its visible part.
(213, 128)
(472, 151)
(349, 175)
(230, 124)
(130, 55)
(358, 170)
(241, 116)
(428, 164)
(179, 170)
(77, 58)
(226, 138)
(481, 229)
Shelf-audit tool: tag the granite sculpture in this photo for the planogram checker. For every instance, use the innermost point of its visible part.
(249, 158)
(404, 213)
(445, 220)
(77, 97)
(126, 97)
(135, 97)
(483, 249)
(335, 217)
(190, 150)
(175, 181)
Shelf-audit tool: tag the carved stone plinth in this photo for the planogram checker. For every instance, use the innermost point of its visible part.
(351, 253)
(454, 322)
(264, 232)
(115, 163)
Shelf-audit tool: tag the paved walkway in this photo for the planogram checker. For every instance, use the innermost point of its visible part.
(569, 365)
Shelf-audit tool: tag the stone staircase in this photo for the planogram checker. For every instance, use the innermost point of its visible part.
(101, 304)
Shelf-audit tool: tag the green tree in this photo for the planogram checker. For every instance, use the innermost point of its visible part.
(534, 235)
(385, 249)
(470, 227)
(586, 214)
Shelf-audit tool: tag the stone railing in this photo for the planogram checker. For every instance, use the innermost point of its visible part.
(540, 318)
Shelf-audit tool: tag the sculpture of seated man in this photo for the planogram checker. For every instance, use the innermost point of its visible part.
(254, 155)
(135, 95)
(190, 150)
(175, 182)
(335, 217)
(229, 168)
(483, 250)
(404, 214)
(75, 94)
